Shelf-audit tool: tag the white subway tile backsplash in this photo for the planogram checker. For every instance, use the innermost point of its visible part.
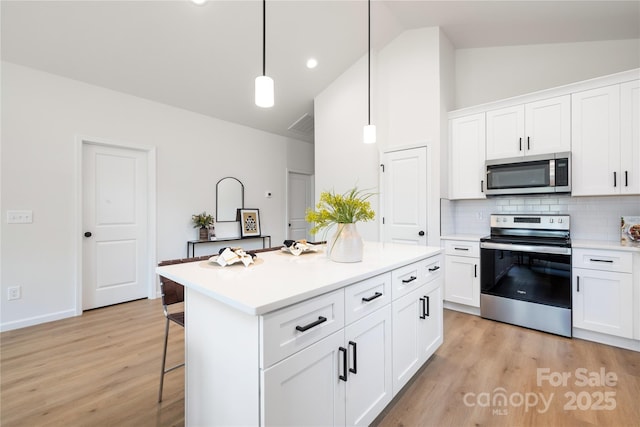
(592, 218)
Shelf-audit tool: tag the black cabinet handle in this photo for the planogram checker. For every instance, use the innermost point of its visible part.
(410, 279)
(626, 178)
(475, 270)
(615, 184)
(528, 145)
(424, 314)
(87, 234)
(482, 186)
(578, 277)
(601, 260)
(427, 313)
(461, 249)
(343, 377)
(520, 140)
(354, 370)
(420, 233)
(311, 325)
(372, 297)
(437, 267)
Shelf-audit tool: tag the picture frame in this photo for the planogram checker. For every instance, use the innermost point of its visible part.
(249, 222)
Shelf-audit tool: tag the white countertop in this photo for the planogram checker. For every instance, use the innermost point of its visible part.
(464, 237)
(278, 279)
(602, 244)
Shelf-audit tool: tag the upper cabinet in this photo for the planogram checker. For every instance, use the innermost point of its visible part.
(606, 142)
(466, 165)
(538, 127)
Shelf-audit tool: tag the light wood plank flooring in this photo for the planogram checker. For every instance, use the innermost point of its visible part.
(102, 369)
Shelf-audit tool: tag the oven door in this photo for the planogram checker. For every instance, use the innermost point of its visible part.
(536, 274)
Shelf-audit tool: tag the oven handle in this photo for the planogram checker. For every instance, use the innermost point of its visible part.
(526, 248)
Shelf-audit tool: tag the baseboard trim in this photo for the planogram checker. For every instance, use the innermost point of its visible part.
(36, 320)
(462, 308)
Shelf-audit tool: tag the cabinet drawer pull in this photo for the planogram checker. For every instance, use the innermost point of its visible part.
(460, 249)
(437, 267)
(354, 370)
(424, 308)
(372, 297)
(312, 324)
(601, 260)
(343, 377)
(410, 279)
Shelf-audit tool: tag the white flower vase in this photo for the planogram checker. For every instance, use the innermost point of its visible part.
(346, 244)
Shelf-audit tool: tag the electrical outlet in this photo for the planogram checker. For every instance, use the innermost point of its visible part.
(19, 217)
(13, 293)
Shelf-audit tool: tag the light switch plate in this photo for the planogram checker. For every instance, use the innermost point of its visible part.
(19, 217)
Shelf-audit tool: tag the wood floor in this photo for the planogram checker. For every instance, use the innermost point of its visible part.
(102, 369)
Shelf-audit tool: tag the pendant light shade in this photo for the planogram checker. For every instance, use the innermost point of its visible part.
(264, 91)
(264, 84)
(369, 132)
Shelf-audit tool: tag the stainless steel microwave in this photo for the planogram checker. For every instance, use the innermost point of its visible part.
(545, 173)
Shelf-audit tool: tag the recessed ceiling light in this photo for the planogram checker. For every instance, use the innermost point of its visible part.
(312, 63)
(199, 2)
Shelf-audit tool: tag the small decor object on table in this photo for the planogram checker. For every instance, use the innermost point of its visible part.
(297, 247)
(202, 221)
(228, 256)
(630, 231)
(249, 222)
(343, 211)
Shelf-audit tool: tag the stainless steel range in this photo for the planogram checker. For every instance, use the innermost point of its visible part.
(525, 274)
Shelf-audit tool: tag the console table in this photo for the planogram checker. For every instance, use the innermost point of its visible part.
(191, 244)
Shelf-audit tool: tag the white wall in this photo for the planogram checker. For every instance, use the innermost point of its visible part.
(493, 73)
(406, 109)
(42, 115)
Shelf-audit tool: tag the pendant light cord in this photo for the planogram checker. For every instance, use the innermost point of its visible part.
(264, 37)
(369, 62)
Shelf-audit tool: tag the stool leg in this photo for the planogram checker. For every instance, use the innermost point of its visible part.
(164, 360)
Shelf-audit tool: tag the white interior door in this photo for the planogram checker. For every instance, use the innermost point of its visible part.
(115, 247)
(300, 197)
(405, 196)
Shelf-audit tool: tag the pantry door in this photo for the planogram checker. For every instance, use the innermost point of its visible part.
(115, 223)
(404, 183)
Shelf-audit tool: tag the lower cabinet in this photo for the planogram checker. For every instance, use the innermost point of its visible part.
(417, 330)
(603, 301)
(343, 379)
(462, 280)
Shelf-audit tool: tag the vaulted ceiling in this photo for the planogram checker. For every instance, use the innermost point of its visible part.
(205, 58)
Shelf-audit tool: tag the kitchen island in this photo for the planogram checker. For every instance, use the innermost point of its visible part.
(304, 340)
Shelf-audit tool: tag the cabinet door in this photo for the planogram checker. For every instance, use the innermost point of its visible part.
(462, 280)
(305, 388)
(595, 128)
(630, 137)
(431, 326)
(466, 164)
(417, 330)
(603, 301)
(369, 379)
(505, 133)
(547, 126)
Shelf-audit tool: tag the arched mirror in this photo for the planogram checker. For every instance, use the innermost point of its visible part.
(229, 198)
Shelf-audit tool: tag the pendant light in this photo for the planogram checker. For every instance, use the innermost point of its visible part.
(264, 84)
(369, 131)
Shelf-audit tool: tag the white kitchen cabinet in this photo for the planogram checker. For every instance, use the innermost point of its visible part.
(467, 156)
(538, 127)
(417, 330)
(630, 137)
(603, 291)
(306, 386)
(368, 377)
(606, 140)
(462, 272)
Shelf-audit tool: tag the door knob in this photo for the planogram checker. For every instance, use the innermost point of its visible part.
(87, 234)
(421, 233)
